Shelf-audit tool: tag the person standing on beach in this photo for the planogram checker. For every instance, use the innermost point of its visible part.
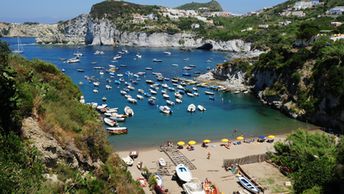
(208, 157)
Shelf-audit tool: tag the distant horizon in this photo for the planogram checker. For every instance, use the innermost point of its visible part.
(41, 11)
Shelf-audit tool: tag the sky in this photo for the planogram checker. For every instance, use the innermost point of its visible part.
(52, 11)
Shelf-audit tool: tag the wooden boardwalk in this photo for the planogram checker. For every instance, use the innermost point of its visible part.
(177, 157)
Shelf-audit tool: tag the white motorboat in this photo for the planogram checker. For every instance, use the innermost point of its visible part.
(73, 60)
(128, 160)
(138, 56)
(101, 106)
(162, 162)
(132, 100)
(117, 119)
(96, 84)
(108, 87)
(183, 173)
(148, 81)
(112, 110)
(152, 91)
(110, 122)
(194, 89)
(115, 58)
(178, 95)
(130, 87)
(191, 108)
(139, 97)
(165, 109)
(128, 111)
(195, 186)
(169, 102)
(166, 96)
(190, 94)
(123, 92)
(201, 108)
(140, 91)
(247, 184)
(209, 93)
(157, 60)
(179, 101)
(167, 52)
(95, 91)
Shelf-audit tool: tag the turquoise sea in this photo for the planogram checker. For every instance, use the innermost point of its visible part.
(228, 113)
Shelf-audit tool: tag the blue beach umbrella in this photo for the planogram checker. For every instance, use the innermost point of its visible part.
(261, 137)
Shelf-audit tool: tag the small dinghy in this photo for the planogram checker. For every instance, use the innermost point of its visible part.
(117, 130)
(201, 108)
(191, 108)
(128, 111)
(179, 101)
(165, 109)
(151, 101)
(109, 122)
(183, 173)
(128, 160)
(247, 184)
(158, 180)
(194, 187)
(162, 162)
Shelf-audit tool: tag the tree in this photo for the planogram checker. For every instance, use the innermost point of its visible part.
(307, 31)
(8, 93)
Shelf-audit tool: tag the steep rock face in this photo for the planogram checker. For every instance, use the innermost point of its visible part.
(86, 30)
(52, 151)
(26, 30)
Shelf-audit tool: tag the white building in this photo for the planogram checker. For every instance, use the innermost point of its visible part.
(195, 26)
(339, 10)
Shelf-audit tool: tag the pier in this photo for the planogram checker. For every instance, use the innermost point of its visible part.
(177, 157)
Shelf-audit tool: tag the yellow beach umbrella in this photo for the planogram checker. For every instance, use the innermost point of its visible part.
(206, 141)
(239, 138)
(180, 143)
(225, 140)
(192, 142)
(271, 136)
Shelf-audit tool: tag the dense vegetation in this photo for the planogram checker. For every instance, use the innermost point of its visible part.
(37, 89)
(314, 161)
(213, 5)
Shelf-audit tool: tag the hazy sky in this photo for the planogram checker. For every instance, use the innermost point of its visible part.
(50, 11)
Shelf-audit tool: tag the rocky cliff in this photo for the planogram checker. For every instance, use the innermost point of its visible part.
(87, 30)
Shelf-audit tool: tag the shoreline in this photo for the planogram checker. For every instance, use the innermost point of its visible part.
(224, 180)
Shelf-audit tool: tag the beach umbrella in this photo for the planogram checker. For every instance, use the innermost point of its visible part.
(271, 136)
(261, 137)
(206, 141)
(239, 138)
(192, 142)
(225, 140)
(181, 143)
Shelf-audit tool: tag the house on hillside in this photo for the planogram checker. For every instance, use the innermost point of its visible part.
(195, 26)
(339, 10)
(301, 5)
(263, 26)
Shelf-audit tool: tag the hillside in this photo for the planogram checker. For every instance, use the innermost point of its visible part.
(50, 142)
(301, 72)
(213, 5)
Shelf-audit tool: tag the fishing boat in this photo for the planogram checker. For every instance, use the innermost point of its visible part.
(157, 60)
(201, 108)
(162, 162)
(194, 187)
(247, 184)
(169, 102)
(128, 160)
(191, 108)
(183, 173)
(209, 93)
(110, 122)
(158, 180)
(128, 111)
(19, 47)
(165, 109)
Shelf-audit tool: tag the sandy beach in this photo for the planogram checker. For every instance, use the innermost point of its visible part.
(212, 169)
